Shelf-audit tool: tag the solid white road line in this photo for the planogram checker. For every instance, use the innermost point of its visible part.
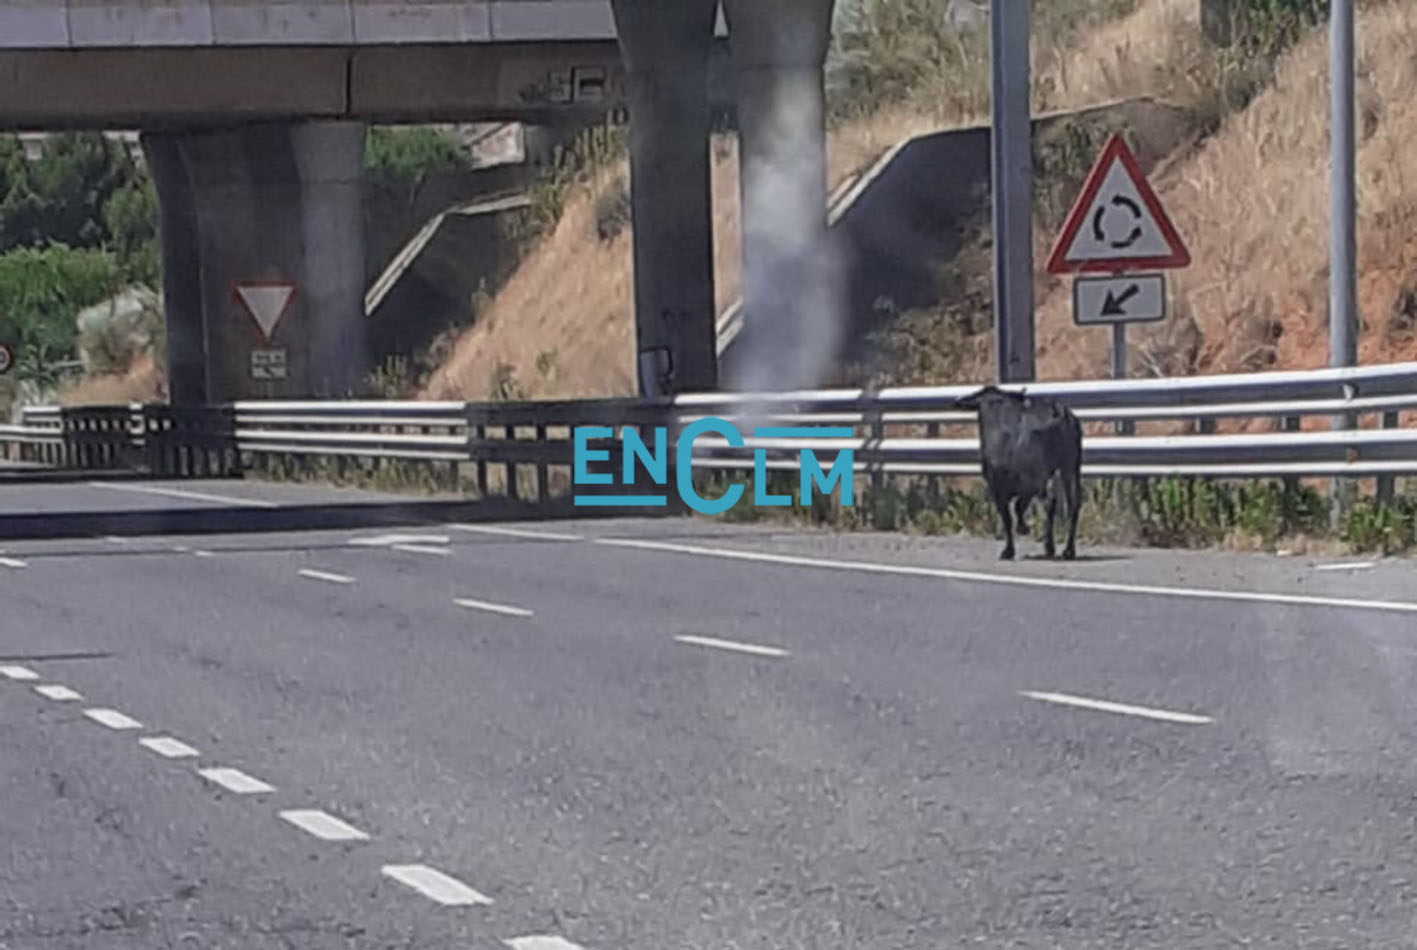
(168, 747)
(325, 576)
(515, 532)
(235, 780)
(1346, 566)
(491, 608)
(112, 718)
(185, 495)
(114, 539)
(18, 673)
(1102, 705)
(13, 563)
(323, 825)
(541, 943)
(1055, 583)
(435, 885)
(202, 552)
(421, 549)
(60, 694)
(732, 645)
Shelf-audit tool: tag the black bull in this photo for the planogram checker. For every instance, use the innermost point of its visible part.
(1029, 448)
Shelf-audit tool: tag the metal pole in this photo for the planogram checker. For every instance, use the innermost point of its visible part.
(1342, 306)
(1012, 191)
(1119, 366)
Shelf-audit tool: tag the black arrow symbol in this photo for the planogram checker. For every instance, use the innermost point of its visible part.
(1116, 306)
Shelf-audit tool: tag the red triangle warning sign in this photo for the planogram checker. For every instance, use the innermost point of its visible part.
(1117, 222)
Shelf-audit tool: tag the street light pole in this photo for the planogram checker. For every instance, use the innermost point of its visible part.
(1012, 179)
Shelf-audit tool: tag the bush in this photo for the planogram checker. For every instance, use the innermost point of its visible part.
(407, 154)
(42, 290)
(612, 210)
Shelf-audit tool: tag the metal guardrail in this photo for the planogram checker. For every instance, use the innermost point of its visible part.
(895, 431)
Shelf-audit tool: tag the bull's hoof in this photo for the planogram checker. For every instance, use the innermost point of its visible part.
(1070, 554)
(1007, 554)
(1049, 553)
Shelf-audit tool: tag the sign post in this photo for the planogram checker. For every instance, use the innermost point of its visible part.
(1117, 226)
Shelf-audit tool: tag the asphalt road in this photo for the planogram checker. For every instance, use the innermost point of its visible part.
(683, 735)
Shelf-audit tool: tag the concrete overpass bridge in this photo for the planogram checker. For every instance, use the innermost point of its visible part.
(253, 116)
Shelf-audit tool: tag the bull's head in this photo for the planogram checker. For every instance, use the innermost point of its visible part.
(985, 395)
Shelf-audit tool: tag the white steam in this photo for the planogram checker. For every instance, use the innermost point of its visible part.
(793, 279)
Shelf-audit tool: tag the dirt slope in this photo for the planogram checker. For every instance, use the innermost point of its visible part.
(1253, 205)
(563, 326)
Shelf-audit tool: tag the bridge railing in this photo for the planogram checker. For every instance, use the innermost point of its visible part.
(907, 431)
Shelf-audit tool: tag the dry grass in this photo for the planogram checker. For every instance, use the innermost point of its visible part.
(575, 296)
(1253, 205)
(142, 382)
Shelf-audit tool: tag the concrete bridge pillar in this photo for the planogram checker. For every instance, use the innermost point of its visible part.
(665, 44)
(262, 221)
(790, 305)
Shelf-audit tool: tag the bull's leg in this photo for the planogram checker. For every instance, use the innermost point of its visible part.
(1001, 501)
(1050, 511)
(1072, 487)
(1021, 514)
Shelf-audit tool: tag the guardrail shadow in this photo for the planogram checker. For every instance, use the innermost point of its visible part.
(46, 526)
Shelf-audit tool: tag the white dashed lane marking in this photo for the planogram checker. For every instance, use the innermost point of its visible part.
(422, 549)
(515, 532)
(168, 747)
(18, 673)
(112, 718)
(235, 780)
(732, 646)
(325, 576)
(323, 825)
(435, 885)
(60, 694)
(509, 611)
(1346, 566)
(1102, 705)
(391, 540)
(13, 563)
(541, 943)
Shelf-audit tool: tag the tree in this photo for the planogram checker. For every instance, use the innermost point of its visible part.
(42, 290)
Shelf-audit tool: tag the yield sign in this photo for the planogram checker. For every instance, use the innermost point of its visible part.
(266, 301)
(1117, 222)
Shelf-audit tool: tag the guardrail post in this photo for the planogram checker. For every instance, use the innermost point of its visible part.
(514, 488)
(878, 435)
(543, 490)
(1292, 424)
(1387, 483)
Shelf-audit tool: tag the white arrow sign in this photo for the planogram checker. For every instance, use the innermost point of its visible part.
(1138, 298)
(266, 303)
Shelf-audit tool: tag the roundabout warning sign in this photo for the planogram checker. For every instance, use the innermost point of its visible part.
(1117, 223)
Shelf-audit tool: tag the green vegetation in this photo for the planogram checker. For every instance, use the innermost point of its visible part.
(408, 154)
(593, 150)
(76, 225)
(1164, 512)
(42, 290)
